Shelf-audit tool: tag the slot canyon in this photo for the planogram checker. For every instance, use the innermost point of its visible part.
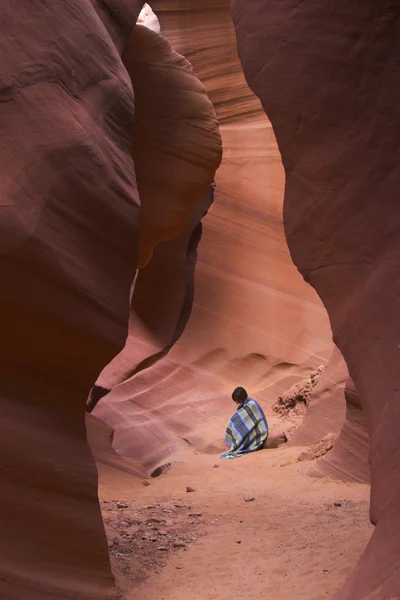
(211, 203)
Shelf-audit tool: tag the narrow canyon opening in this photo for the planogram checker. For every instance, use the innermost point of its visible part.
(217, 304)
(198, 195)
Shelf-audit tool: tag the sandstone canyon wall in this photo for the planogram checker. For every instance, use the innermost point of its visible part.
(72, 236)
(70, 244)
(254, 321)
(177, 148)
(335, 410)
(69, 237)
(326, 77)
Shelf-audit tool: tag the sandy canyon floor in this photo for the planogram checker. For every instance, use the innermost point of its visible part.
(255, 527)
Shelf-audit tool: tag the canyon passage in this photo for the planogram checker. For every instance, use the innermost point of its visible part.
(198, 196)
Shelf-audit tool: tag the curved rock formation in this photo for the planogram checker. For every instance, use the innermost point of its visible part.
(252, 310)
(117, 472)
(335, 410)
(178, 149)
(324, 75)
(349, 458)
(68, 250)
(177, 146)
(254, 321)
(327, 410)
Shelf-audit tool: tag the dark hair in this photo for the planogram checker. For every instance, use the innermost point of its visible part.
(240, 394)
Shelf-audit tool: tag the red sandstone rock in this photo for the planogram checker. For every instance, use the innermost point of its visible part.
(318, 449)
(299, 394)
(177, 146)
(336, 409)
(327, 410)
(68, 248)
(111, 466)
(161, 305)
(349, 458)
(175, 165)
(254, 321)
(179, 149)
(252, 313)
(324, 74)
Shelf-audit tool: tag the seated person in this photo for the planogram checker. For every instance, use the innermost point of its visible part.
(247, 430)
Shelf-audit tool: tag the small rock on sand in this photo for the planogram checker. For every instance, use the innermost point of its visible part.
(154, 520)
(190, 489)
(179, 544)
(249, 499)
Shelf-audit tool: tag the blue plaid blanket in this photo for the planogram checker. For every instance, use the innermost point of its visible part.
(247, 430)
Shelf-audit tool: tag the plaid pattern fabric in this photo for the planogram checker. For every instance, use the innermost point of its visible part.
(247, 430)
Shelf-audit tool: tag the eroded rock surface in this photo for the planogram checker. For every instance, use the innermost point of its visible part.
(254, 322)
(69, 235)
(324, 74)
(326, 412)
(299, 395)
(349, 458)
(177, 149)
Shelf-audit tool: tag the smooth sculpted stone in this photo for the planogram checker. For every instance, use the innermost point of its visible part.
(68, 251)
(349, 458)
(177, 149)
(177, 145)
(335, 410)
(327, 77)
(253, 320)
(252, 312)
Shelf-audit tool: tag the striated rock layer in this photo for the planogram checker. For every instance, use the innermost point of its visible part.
(252, 312)
(68, 250)
(254, 321)
(335, 410)
(327, 410)
(349, 458)
(177, 148)
(176, 141)
(324, 74)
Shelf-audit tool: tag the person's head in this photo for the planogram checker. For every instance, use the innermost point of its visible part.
(239, 395)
